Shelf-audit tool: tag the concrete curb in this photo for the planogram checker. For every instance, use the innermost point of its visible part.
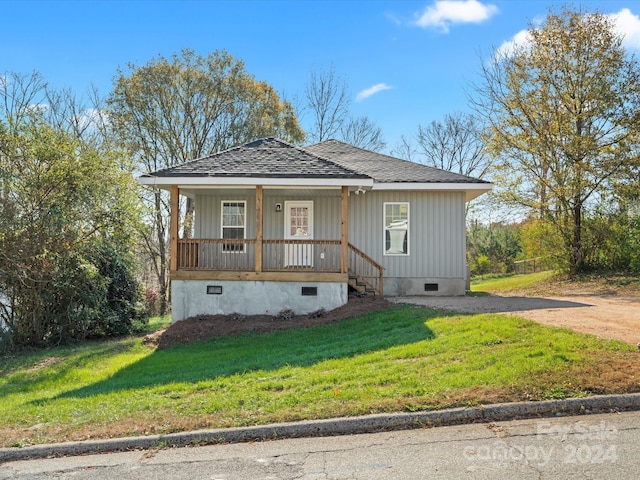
(336, 426)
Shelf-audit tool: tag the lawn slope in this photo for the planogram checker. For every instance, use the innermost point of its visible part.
(400, 359)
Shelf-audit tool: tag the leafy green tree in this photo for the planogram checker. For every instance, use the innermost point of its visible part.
(172, 110)
(62, 201)
(492, 248)
(563, 110)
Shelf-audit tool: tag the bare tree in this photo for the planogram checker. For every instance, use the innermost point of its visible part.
(362, 133)
(328, 101)
(405, 149)
(454, 144)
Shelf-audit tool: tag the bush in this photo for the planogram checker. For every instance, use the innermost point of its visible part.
(87, 293)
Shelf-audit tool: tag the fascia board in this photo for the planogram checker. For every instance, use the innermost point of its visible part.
(253, 181)
(472, 190)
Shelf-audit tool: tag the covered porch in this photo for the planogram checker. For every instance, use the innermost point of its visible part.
(266, 257)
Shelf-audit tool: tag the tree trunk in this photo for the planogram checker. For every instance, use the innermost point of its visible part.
(162, 253)
(187, 226)
(577, 255)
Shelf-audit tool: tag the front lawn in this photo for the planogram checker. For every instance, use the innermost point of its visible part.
(400, 359)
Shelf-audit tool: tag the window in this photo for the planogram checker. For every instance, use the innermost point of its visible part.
(233, 225)
(396, 228)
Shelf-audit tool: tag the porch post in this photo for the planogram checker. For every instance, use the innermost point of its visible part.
(344, 237)
(259, 223)
(175, 213)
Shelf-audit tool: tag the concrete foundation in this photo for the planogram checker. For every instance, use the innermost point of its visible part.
(207, 297)
(436, 287)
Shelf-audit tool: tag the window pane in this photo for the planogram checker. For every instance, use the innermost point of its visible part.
(233, 225)
(396, 220)
(229, 232)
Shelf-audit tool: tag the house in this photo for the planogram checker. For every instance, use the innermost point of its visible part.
(283, 227)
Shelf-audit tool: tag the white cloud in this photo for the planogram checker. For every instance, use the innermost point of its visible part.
(38, 107)
(367, 92)
(445, 12)
(92, 119)
(508, 48)
(628, 25)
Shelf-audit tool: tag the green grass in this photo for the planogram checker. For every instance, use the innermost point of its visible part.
(403, 358)
(506, 283)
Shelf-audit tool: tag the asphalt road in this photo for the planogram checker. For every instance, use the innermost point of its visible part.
(580, 447)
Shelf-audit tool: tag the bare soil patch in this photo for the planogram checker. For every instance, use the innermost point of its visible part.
(204, 327)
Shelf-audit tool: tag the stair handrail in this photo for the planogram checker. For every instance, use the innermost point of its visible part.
(375, 266)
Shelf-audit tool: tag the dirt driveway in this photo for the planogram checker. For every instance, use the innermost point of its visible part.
(607, 316)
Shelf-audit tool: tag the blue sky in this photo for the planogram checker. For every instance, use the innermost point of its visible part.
(406, 62)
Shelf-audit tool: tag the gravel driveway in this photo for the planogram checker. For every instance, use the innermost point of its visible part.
(607, 316)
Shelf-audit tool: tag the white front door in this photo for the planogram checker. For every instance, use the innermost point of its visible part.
(298, 225)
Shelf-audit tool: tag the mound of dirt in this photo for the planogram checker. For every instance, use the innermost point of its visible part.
(204, 327)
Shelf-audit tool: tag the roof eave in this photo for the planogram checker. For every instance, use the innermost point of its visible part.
(472, 190)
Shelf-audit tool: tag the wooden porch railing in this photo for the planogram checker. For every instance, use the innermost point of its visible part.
(277, 256)
(366, 269)
(304, 255)
(216, 254)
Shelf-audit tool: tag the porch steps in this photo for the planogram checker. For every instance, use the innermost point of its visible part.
(361, 286)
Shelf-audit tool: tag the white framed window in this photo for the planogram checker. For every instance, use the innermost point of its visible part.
(396, 228)
(233, 225)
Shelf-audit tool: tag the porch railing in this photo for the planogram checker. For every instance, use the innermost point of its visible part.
(216, 254)
(366, 269)
(278, 255)
(304, 255)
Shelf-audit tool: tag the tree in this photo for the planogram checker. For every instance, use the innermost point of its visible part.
(66, 212)
(177, 109)
(328, 100)
(454, 144)
(362, 133)
(563, 112)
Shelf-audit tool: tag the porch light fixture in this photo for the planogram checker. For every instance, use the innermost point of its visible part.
(360, 190)
(278, 207)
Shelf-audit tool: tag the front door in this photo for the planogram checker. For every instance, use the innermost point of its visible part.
(298, 225)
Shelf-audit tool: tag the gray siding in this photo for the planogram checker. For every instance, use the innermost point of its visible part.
(326, 212)
(436, 232)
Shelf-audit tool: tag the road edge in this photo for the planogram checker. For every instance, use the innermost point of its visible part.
(336, 426)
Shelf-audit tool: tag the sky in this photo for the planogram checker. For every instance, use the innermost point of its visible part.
(406, 62)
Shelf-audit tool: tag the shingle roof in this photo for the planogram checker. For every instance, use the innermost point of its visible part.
(384, 168)
(329, 160)
(267, 157)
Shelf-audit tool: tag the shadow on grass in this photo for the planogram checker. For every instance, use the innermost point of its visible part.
(478, 303)
(29, 377)
(301, 347)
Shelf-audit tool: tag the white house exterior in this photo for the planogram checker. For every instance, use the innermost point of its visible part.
(283, 227)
